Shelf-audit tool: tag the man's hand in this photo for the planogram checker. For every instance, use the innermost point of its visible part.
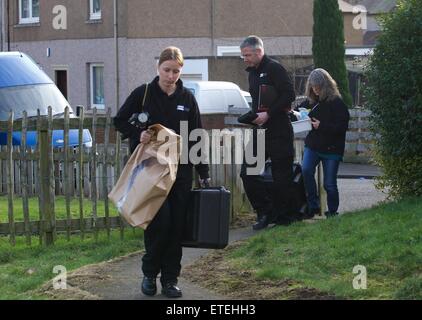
(315, 123)
(262, 118)
(204, 183)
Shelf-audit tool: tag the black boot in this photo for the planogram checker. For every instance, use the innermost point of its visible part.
(170, 290)
(312, 212)
(262, 223)
(329, 214)
(149, 286)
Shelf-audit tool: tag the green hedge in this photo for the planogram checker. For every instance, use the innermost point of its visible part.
(394, 95)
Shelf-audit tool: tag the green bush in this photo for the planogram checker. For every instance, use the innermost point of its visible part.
(394, 95)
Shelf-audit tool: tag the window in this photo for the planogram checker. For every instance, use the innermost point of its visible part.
(94, 9)
(29, 11)
(228, 51)
(195, 69)
(97, 86)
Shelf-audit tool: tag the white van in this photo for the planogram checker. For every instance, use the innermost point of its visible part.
(218, 96)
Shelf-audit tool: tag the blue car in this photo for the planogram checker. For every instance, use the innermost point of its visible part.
(25, 87)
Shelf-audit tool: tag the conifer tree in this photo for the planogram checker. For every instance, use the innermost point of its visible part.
(328, 44)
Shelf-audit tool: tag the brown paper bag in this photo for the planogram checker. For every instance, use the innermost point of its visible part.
(147, 177)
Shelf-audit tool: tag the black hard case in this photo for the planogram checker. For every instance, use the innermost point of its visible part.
(207, 220)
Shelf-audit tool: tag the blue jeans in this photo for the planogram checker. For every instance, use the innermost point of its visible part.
(330, 167)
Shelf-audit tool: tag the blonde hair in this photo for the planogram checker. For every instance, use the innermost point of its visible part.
(171, 53)
(327, 86)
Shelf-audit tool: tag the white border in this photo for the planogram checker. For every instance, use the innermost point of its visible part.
(28, 20)
(94, 15)
(228, 51)
(91, 87)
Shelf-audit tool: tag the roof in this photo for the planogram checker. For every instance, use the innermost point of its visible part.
(359, 51)
(211, 84)
(370, 37)
(372, 6)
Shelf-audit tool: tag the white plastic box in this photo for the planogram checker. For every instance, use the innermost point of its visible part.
(302, 125)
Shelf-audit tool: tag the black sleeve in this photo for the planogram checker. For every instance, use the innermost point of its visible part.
(284, 88)
(341, 118)
(195, 123)
(130, 106)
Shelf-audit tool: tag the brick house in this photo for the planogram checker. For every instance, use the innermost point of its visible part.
(97, 51)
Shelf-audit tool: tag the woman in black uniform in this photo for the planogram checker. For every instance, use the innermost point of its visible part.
(168, 103)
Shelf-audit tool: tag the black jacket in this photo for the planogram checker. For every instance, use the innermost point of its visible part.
(278, 126)
(165, 110)
(331, 134)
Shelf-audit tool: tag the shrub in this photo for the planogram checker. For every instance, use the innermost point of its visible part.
(394, 95)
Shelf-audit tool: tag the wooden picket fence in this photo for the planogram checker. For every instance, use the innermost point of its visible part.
(78, 174)
(73, 172)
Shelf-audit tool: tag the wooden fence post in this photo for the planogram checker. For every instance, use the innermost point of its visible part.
(24, 180)
(67, 183)
(104, 174)
(10, 178)
(46, 202)
(322, 193)
(81, 176)
(93, 164)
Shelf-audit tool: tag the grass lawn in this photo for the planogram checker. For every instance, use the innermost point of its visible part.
(386, 240)
(60, 208)
(23, 268)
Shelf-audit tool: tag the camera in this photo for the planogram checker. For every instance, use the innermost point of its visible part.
(140, 120)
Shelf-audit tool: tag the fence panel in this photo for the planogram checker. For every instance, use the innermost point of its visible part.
(76, 174)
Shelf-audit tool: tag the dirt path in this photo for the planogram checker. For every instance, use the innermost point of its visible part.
(120, 278)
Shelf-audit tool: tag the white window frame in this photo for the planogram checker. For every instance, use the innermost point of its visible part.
(31, 19)
(91, 87)
(233, 51)
(195, 69)
(94, 15)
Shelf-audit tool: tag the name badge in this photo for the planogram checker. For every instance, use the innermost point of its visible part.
(182, 108)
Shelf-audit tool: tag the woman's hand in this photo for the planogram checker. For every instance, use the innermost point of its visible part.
(315, 123)
(145, 137)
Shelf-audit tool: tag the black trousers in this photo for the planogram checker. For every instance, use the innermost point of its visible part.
(276, 203)
(163, 236)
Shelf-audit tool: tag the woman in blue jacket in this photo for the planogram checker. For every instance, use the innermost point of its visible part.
(325, 142)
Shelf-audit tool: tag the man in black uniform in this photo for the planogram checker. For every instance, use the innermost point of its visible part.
(168, 103)
(278, 135)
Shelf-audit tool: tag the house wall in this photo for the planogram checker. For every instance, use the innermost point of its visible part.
(146, 27)
(233, 69)
(219, 18)
(75, 56)
(78, 24)
(352, 36)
